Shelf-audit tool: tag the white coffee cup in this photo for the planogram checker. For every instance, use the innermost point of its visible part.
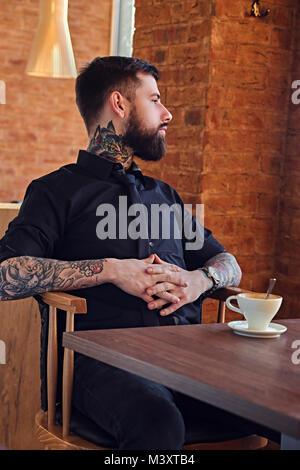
(257, 310)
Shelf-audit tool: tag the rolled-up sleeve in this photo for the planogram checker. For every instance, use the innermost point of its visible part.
(37, 227)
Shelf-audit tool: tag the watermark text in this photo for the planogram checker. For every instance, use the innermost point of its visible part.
(2, 352)
(295, 358)
(2, 92)
(296, 93)
(156, 221)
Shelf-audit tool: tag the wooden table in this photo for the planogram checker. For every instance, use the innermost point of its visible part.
(258, 379)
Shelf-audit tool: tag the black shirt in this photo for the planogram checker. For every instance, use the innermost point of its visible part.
(59, 219)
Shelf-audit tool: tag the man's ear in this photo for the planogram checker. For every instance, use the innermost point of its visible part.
(118, 104)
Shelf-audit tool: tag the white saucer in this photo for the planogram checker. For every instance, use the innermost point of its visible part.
(241, 328)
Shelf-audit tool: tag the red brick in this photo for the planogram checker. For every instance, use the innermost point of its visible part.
(278, 79)
(180, 179)
(240, 183)
(267, 204)
(191, 53)
(171, 76)
(195, 74)
(182, 140)
(281, 38)
(220, 118)
(294, 119)
(182, 96)
(271, 164)
(153, 16)
(143, 37)
(241, 32)
(246, 98)
(292, 165)
(252, 55)
(191, 158)
(245, 244)
(196, 31)
(295, 228)
(225, 9)
(215, 140)
(156, 54)
(221, 203)
(231, 163)
(194, 117)
(171, 34)
(221, 53)
(279, 59)
(291, 185)
(240, 77)
(264, 244)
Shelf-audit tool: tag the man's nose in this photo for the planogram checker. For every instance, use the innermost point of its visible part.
(166, 115)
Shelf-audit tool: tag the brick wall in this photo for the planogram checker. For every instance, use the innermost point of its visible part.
(226, 78)
(288, 241)
(40, 127)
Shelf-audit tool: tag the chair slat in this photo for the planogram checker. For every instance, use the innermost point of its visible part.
(68, 372)
(52, 365)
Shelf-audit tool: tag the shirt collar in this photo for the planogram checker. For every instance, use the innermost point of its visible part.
(102, 168)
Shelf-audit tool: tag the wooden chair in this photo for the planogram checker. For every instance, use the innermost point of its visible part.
(56, 436)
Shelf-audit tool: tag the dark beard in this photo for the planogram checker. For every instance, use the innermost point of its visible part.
(149, 146)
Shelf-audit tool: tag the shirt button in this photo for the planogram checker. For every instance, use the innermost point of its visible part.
(151, 244)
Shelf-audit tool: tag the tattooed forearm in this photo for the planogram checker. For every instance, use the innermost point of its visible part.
(25, 276)
(228, 268)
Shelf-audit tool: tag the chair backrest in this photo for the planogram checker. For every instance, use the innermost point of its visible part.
(71, 305)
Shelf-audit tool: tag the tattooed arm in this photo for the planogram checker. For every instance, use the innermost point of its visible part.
(197, 282)
(229, 271)
(24, 276)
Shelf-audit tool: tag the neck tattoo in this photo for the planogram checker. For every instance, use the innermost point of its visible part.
(107, 144)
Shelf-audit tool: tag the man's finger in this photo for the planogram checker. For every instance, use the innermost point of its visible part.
(150, 259)
(160, 287)
(174, 278)
(158, 260)
(157, 269)
(147, 298)
(157, 304)
(168, 296)
(171, 309)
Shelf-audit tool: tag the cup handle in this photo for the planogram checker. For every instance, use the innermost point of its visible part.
(232, 307)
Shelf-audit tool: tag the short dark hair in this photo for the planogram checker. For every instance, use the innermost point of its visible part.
(101, 77)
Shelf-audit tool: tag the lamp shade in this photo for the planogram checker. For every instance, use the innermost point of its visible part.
(52, 54)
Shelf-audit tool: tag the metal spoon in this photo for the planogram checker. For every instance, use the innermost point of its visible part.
(271, 286)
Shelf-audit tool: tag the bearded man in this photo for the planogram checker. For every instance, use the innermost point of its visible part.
(55, 244)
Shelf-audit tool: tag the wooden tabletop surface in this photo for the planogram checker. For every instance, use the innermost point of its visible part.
(254, 378)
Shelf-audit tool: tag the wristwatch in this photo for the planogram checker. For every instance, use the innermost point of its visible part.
(212, 274)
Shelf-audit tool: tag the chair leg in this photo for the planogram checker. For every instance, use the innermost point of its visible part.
(52, 365)
(221, 311)
(68, 379)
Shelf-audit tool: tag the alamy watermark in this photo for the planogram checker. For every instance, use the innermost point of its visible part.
(2, 92)
(295, 358)
(296, 94)
(2, 352)
(160, 221)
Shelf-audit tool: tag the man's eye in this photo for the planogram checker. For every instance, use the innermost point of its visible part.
(155, 101)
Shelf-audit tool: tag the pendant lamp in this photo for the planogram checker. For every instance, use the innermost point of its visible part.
(52, 54)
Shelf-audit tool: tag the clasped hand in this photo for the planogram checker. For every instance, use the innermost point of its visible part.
(170, 283)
